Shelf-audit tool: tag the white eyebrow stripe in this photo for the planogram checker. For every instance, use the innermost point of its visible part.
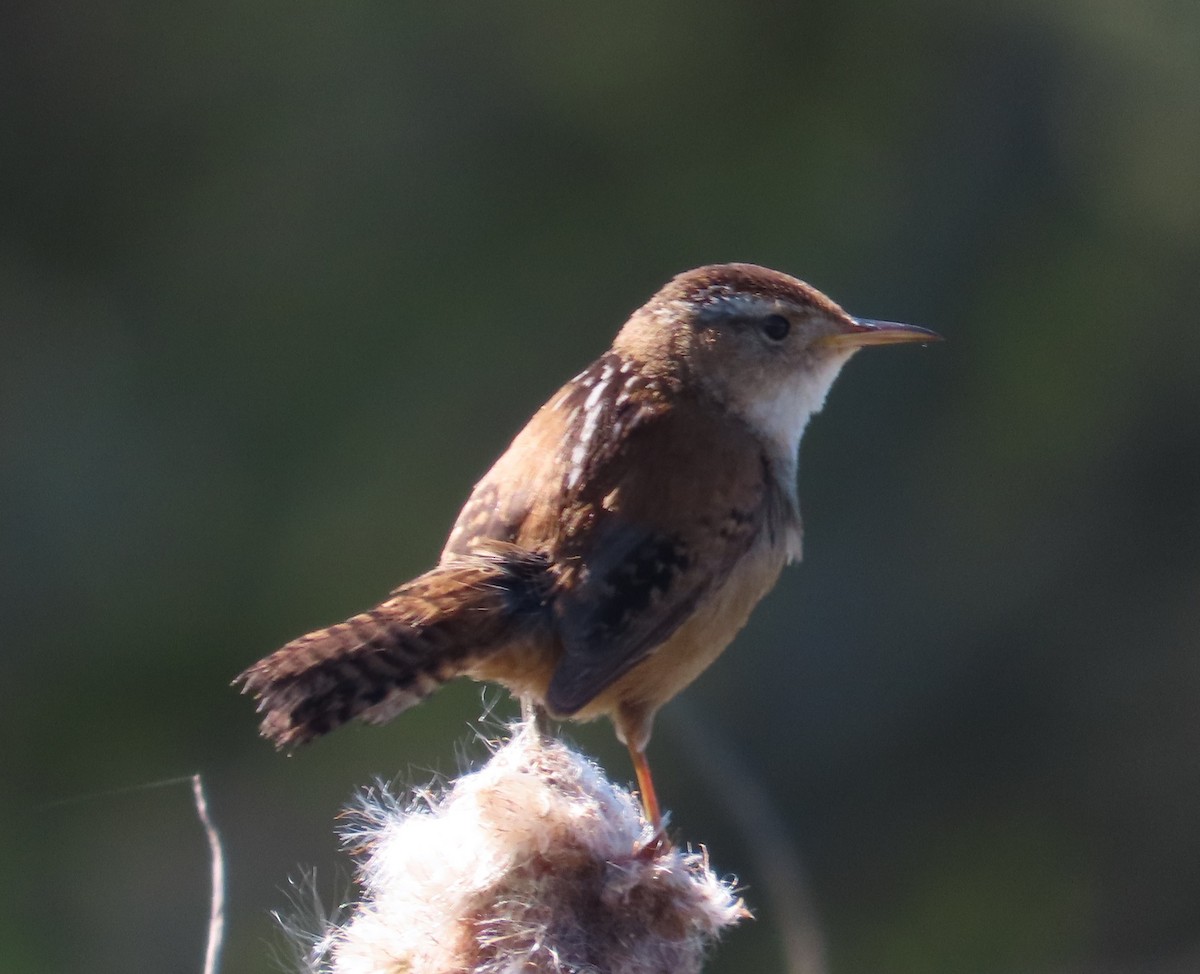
(738, 304)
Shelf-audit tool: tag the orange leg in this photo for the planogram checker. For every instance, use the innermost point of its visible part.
(646, 786)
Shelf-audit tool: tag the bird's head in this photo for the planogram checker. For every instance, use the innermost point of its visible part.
(764, 344)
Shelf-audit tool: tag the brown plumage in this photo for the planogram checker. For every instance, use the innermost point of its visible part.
(380, 662)
(622, 540)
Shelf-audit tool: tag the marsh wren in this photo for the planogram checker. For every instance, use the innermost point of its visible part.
(622, 540)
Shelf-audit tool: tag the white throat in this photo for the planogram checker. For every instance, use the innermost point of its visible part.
(781, 419)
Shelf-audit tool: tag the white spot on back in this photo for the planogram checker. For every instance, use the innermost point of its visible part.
(609, 388)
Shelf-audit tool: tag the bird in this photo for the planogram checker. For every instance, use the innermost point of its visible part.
(618, 545)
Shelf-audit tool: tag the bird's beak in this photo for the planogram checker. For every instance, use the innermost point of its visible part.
(865, 331)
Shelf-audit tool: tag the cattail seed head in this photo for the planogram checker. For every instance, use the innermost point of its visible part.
(535, 863)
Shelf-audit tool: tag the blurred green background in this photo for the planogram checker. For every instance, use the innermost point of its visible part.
(279, 280)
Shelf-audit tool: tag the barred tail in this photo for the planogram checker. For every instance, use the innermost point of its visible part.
(381, 662)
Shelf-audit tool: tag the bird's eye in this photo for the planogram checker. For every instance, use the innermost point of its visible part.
(776, 327)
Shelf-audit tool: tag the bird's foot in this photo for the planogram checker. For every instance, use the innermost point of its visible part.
(659, 843)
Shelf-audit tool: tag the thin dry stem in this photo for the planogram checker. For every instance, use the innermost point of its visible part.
(216, 912)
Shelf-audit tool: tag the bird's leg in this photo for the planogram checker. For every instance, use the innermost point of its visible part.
(641, 767)
(534, 715)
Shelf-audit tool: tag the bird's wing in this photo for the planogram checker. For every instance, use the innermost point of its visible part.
(662, 523)
(554, 460)
(642, 496)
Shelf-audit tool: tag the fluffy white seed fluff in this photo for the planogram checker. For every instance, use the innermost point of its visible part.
(535, 863)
